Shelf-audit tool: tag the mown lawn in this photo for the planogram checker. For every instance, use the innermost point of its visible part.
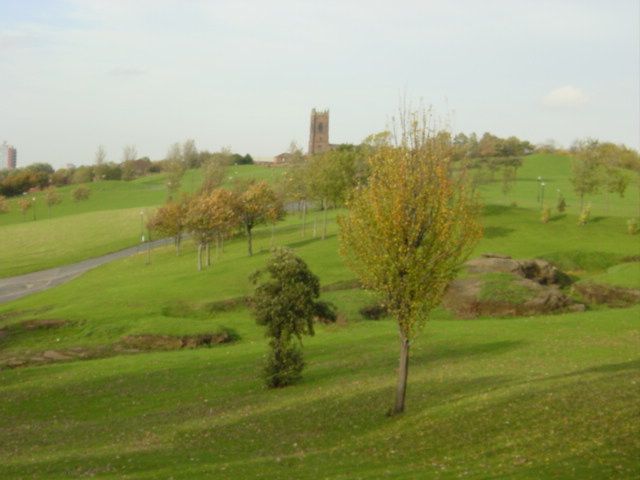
(535, 397)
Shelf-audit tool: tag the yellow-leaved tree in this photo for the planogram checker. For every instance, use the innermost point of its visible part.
(408, 230)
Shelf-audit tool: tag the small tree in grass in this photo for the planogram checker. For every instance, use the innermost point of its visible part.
(25, 205)
(286, 304)
(409, 229)
(52, 197)
(208, 217)
(170, 220)
(4, 204)
(257, 203)
(81, 193)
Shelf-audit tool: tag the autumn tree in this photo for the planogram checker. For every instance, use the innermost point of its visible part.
(169, 221)
(409, 229)
(25, 205)
(285, 303)
(257, 203)
(208, 217)
(81, 193)
(51, 198)
(4, 205)
(586, 169)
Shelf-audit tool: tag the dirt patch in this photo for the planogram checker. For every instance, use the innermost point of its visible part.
(498, 285)
(607, 294)
(44, 324)
(130, 344)
(167, 342)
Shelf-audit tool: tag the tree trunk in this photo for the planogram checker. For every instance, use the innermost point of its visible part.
(249, 239)
(403, 372)
(315, 225)
(324, 219)
(273, 232)
(581, 202)
(208, 250)
(304, 217)
(199, 257)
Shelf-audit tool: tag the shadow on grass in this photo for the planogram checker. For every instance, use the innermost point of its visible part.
(556, 218)
(495, 232)
(302, 243)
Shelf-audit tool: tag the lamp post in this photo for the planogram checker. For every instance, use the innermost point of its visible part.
(542, 185)
(539, 188)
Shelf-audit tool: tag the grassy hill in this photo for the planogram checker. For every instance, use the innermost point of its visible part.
(536, 397)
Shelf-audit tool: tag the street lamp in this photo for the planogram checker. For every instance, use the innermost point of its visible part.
(542, 185)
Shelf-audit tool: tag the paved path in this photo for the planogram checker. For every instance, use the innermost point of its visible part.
(12, 288)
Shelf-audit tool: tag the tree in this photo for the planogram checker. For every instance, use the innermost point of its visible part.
(257, 203)
(176, 167)
(169, 220)
(81, 193)
(190, 153)
(408, 231)
(208, 217)
(615, 181)
(101, 155)
(4, 205)
(52, 197)
(213, 175)
(129, 153)
(25, 205)
(586, 169)
(286, 304)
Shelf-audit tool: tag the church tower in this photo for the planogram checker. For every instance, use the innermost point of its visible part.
(319, 132)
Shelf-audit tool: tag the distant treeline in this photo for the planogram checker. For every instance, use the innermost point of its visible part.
(42, 175)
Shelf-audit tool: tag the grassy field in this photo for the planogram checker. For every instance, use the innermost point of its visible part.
(535, 397)
(108, 221)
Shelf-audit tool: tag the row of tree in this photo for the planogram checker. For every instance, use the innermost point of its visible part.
(602, 166)
(217, 214)
(180, 157)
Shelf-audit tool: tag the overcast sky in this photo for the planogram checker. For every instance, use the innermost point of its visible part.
(245, 74)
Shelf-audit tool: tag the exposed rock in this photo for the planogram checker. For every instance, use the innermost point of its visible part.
(55, 356)
(540, 271)
(530, 287)
(607, 294)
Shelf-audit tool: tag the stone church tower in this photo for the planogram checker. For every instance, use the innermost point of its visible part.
(319, 132)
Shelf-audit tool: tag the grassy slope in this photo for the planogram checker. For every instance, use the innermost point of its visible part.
(544, 397)
(108, 221)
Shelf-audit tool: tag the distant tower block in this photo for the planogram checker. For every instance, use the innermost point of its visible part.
(319, 132)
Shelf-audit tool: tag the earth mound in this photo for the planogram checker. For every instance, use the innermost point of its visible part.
(498, 285)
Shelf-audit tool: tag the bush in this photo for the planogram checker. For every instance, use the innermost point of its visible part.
(284, 364)
(325, 312)
(373, 312)
(585, 215)
(562, 204)
(632, 226)
(546, 215)
(81, 193)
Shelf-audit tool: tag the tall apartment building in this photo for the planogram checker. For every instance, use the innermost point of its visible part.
(319, 132)
(8, 156)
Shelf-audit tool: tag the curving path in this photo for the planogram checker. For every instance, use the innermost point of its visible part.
(12, 288)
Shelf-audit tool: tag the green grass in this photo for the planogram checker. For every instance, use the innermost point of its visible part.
(536, 397)
(503, 287)
(623, 275)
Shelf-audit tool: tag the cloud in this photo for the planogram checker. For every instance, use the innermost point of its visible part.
(567, 96)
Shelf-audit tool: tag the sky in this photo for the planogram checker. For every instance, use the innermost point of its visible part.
(245, 74)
